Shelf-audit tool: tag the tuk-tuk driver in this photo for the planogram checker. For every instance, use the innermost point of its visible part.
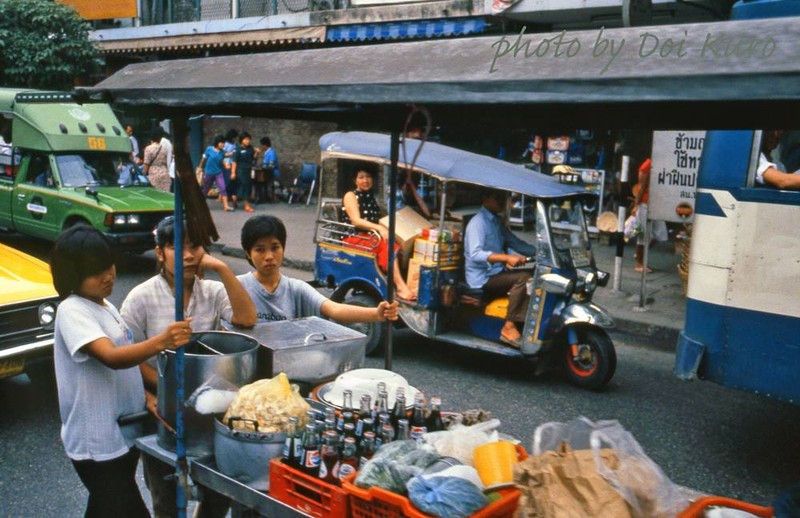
(487, 245)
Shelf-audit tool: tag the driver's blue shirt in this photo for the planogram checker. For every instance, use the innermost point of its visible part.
(486, 235)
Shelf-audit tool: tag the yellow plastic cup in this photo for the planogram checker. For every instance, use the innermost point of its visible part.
(494, 462)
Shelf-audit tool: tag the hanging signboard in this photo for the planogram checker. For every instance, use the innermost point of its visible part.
(107, 9)
(673, 177)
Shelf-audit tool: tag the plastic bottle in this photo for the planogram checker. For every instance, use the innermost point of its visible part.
(348, 463)
(434, 422)
(418, 426)
(311, 456)
(330, 457)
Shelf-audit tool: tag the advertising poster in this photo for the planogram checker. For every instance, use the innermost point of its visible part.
(673, 177)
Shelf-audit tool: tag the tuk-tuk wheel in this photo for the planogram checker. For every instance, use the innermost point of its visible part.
(373, 330)
(591, 362)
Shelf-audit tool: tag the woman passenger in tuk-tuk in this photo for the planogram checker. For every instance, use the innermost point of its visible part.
(362, 211)
(150, 307)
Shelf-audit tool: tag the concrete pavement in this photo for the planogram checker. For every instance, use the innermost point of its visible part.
(659, 321)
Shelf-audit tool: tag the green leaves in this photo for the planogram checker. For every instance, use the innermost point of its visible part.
(44, 44)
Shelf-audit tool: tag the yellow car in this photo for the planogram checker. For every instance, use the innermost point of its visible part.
(28, 304)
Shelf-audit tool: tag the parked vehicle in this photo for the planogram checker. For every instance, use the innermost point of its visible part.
(69, 164)
(563, 326)
(742, 315)
(28, 304)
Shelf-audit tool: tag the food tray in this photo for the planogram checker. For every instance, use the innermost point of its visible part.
(380, 503)
(306, 493)
(698, 509)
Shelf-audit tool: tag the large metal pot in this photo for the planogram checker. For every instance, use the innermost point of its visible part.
(244, 455)
(227, 355)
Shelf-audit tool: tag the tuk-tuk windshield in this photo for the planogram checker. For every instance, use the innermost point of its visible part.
(570, 237)
(98, 169)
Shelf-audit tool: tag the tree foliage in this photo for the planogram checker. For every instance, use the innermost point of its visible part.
(43, 44)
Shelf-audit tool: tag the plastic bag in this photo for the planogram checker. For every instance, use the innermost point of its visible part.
(270, 402)
(213, 397)
(446, 497)
(633, 227)
(395, 464)
(460, 441)
(639, 480)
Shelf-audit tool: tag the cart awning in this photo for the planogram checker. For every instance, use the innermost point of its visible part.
(726, 74)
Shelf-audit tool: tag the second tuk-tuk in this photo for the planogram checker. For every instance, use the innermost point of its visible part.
(562, 327)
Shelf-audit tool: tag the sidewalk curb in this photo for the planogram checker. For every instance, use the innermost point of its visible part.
(662, 337)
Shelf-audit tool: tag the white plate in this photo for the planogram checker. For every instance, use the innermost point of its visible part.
(365, 381)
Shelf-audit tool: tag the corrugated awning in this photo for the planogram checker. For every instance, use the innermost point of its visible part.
(253, 39)
(718, 78)
(406, 30)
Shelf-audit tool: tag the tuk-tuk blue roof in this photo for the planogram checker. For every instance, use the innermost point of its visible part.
(451, 164)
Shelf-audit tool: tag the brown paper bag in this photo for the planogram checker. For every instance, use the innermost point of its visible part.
(565, 484)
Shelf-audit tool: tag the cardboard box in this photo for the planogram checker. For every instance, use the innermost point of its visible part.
(408, 224)
(428, 251)
(412, 279)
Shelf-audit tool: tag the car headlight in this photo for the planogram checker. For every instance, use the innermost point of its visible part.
(47, 315)
(119, 219)
(133, 219)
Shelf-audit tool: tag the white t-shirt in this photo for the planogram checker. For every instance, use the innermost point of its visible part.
(149, 308)
(91, 396)
(293, 298)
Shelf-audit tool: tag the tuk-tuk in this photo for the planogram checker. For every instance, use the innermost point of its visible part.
(562, 326)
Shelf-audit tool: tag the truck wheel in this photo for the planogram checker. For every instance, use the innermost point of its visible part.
(590, 363)
(373, 330)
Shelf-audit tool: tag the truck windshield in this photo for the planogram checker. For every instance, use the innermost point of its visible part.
(98, 169)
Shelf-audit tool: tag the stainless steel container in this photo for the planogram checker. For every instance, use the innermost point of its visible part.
(236, 364)
(309, 350)
(245, 456)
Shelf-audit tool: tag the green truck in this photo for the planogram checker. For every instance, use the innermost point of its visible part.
(63, 163)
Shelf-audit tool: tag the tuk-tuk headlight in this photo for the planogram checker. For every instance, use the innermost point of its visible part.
(590, 283)
(602, 278)
(558, 284)
(47, 315)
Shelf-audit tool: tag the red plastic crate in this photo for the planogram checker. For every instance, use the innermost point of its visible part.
(697, 509)
(306, 493)
(380, 503)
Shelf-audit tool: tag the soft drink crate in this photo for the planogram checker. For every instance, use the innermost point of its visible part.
(380, 503)
(698, 509)
(306, 493)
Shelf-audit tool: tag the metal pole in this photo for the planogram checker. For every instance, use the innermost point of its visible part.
(180, 446)
(626, 162)
(394, 156)
(648, 227)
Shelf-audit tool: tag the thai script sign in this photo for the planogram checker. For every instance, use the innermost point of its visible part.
(673, 177)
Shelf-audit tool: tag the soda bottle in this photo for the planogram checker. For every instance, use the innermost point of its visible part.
(330, 457)
(364, 425)
(387, 435)
(347, 406)
(330, 424)
(434, 422)
(366, 449)
(348, 463)
(384, 418)
(349, 430)
(399, 410)
(381, 403)
(289, 444)
(310, 460)
(402, 433)
(365, 409)
(418, 426)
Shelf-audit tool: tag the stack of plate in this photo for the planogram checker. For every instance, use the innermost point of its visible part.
(364, 381)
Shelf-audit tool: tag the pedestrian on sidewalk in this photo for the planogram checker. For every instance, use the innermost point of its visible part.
(272, 173)
(211, 166)
(242, 169)
(231, 184)
(157, 156)
(278, 297)
(641, 200)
